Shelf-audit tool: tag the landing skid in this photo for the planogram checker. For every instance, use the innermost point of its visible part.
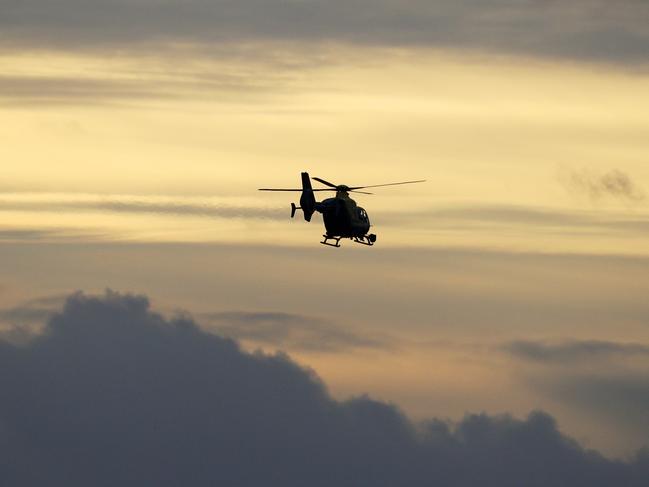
(327, 238)
(363, 240)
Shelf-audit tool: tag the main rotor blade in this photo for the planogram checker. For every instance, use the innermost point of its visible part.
(326, 183)
(388, 184)
(361, 192)
(277, 189)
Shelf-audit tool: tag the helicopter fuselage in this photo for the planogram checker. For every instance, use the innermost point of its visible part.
(343, 217)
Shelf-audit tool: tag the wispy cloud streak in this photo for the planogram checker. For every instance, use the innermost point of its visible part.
(133, 205)
(614, 183)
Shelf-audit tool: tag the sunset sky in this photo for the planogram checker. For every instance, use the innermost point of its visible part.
(515, 279)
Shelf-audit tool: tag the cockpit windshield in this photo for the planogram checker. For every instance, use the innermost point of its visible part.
(362, 214)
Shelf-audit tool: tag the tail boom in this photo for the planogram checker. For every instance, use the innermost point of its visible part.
(307, 200)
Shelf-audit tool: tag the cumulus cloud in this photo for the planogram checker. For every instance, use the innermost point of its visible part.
(114, 394)
(289, 330)
(574, 29)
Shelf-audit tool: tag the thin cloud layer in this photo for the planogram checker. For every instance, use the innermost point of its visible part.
(593, 30)
(622, 398)
(113, 394)
(34, 311)
(573, 351)
(288, 330)
(25, 234)
(11, 234)
(19, 324)
(132, 82)
(538, 219)
(603, 380)
(50, 89)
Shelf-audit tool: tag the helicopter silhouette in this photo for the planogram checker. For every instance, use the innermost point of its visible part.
(343, 218)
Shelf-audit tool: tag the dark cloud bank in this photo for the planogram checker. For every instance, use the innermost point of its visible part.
(572, 29)
(113, 394)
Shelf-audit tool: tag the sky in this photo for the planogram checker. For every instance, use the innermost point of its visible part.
(506, 294)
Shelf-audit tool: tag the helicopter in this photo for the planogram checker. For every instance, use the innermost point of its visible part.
(343, 218)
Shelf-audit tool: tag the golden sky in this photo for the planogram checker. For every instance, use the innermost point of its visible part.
(519, 266)
(522, 144)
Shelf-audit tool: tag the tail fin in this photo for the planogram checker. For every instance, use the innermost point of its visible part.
(307, 200)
